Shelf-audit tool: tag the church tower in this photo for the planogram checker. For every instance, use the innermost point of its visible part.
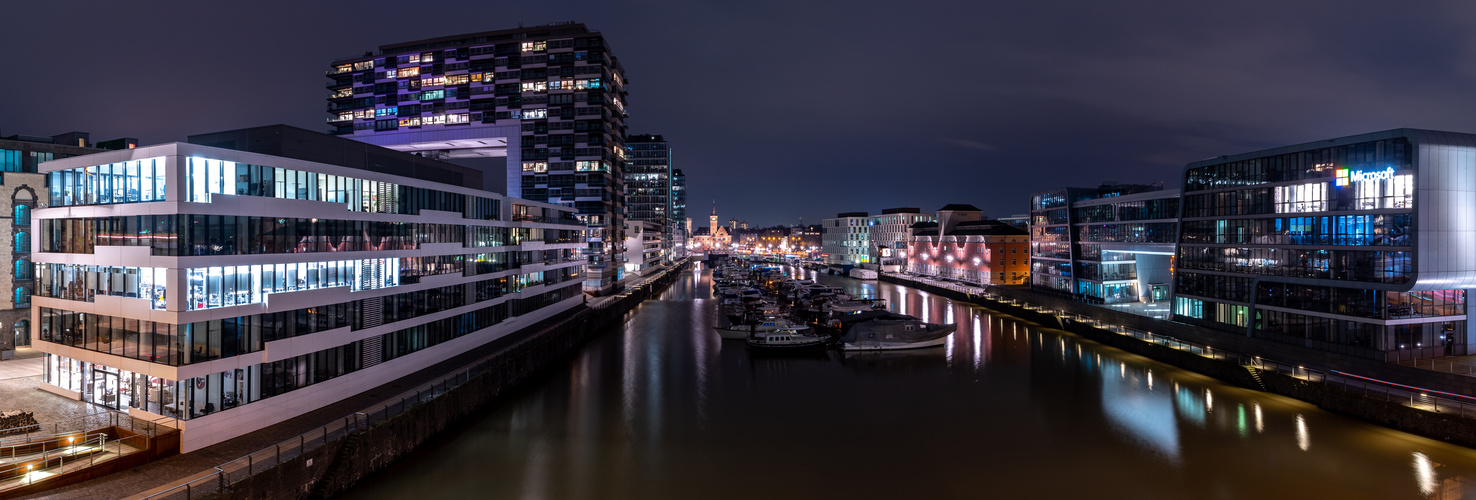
(712, 222)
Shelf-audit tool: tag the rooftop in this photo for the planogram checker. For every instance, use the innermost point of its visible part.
(301, 144)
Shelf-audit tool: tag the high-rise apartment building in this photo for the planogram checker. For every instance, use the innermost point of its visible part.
(550, 99)
(648, 187)
(253, 276)
(25, 191)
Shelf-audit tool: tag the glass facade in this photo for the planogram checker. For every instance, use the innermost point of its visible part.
(135, 181)
(83, 283)
(1344, 214)
(390, 293)
(201, 396)
(1070, 227)
(205, 176)
(186, 235)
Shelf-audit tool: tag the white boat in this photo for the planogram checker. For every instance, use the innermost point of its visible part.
(789, 340)
(863, 274)
(744, 330)
(882, 330)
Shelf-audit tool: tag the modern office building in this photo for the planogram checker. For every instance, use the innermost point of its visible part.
(889, 235)
(1361, 245)
(681, 225)
(846, 238)
(649, 187)
(25, 191)
(549, 99)
(1108, 245)
(252, 276)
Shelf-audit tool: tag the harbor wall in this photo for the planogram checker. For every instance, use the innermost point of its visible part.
(1393, 414)
(342, 463)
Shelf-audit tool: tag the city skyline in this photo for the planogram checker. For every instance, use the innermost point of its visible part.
(1138, 95)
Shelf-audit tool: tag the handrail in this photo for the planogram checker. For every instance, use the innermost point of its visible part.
(231, 472)
(1414, 397)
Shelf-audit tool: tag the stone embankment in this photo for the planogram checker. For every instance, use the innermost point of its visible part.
(1408, 410)
(341, 463)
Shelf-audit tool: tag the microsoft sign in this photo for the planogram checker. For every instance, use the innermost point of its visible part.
(1345, 176)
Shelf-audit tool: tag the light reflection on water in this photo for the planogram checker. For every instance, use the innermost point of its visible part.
(662, 408)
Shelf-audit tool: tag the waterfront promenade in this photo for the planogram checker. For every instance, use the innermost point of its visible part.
(1432, 403)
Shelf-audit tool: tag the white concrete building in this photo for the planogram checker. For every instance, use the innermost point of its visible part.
(846, 238)
(228, 290)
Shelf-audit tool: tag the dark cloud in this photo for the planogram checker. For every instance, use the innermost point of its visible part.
(782, 110)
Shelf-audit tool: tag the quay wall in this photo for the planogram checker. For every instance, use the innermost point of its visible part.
(339, 464)
(1393, 414)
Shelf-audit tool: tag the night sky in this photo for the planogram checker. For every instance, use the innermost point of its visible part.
(781, 110)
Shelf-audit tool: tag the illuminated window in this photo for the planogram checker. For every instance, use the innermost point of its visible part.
(410, 122)
(432, 94)
(457, 118)
(125, 182)
(559, 85)
(591, 166)
(534, 46)
(457, 79)
(390, 111)
(1396, 191)
(409, 72)
(530, 114)
(535, 166)
(592, 83)
(535, 86)
(1310, 197)
(414, 58)
(432, 80)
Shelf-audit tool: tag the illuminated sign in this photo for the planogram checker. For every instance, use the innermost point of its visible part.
(1346, 176)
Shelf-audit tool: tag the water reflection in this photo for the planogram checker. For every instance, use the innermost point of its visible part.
(1147, 416)
(662, 408)
(1304, 440)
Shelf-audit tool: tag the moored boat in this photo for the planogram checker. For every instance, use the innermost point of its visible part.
(882, 330)
(740, 331)
(787, 340)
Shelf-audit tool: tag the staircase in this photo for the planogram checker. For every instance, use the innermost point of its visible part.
(1256, 375)
(340, 461)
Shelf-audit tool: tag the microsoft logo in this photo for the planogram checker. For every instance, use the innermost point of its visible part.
(1342, 177)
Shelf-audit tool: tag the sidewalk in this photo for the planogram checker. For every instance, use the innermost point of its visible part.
(18, 368)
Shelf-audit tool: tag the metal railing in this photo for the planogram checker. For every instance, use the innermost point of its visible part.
(233, 472)
(82, 423)
(219, 479)
(70, 453)
(1413, 397)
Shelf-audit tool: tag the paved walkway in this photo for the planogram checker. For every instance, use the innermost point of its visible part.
(17, 368)
(21, 393)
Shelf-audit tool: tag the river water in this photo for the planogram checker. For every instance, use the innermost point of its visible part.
(661, 408)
